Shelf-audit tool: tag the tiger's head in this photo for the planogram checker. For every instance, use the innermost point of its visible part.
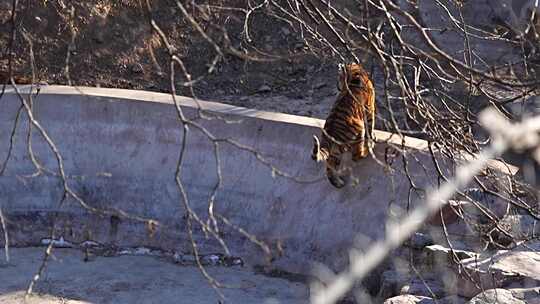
(351, 76)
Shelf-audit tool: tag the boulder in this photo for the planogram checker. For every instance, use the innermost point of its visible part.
(437, 258)
(529, 295)
(493, 296)
(519, 267)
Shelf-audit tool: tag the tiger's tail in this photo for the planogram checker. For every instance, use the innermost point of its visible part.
(338, 181)
(319, 154)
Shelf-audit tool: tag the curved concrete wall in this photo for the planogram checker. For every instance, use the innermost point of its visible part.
(121, 148)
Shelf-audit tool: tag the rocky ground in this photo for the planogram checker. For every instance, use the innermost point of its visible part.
(467, 262)
(135, 279)
(463, 264)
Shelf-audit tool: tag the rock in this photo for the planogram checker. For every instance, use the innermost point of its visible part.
(426, 288)
(320, 84)
(515, 13)
(419, 241)
(187, 259)
(529, 295)
(137, 68)
(523, 261)
(495, 204)
(514, 228)
(496, 296)
(391, 283)
(449, 213)
(459, 234)
(264, 89)
(519, 267)
(452, 300)
(285, 31)
(177, 258)
(461, 254)
(99, 37)
(439, 255)
(409, 299)
(522, 226)
(219, 259)
(60, 243)
(211, 259)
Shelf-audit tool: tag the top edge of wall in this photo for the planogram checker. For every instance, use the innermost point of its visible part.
(221, 108)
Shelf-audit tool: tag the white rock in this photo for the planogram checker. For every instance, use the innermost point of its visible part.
(264, 89)
(409, 299)
(426, 288)
(436, 257)
(60, 243)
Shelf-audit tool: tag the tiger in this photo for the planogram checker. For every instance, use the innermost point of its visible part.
(345, 127)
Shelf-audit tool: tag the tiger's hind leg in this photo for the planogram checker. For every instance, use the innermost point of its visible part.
(360, 150)
(333, 172)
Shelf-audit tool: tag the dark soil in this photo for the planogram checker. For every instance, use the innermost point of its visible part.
(114, 46)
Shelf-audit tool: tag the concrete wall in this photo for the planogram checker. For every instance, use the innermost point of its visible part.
(121, 148)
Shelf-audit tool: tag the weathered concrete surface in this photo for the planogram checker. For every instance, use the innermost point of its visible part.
(130, 279)
(120, 149)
